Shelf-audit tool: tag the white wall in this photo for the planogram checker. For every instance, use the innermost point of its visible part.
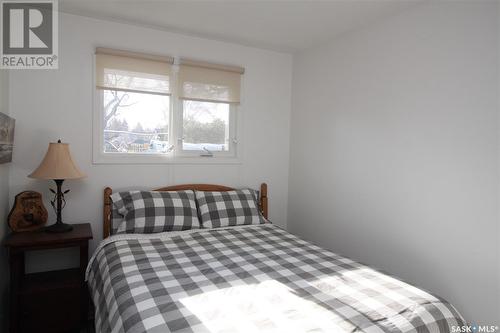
(52, 104)
(394, 150)
(4, 203)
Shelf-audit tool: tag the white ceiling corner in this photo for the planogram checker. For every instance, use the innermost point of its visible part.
(286, 26)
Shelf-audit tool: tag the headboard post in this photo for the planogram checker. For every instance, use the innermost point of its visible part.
(263, 200)
(106, 227)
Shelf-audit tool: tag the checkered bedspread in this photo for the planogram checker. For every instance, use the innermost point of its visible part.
(256, 278)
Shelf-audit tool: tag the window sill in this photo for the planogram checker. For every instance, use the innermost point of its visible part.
(148, 159)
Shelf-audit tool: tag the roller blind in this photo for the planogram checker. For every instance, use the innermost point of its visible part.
(209, 82)
(135, 72)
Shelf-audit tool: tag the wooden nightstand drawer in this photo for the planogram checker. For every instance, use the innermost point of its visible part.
(53, 280)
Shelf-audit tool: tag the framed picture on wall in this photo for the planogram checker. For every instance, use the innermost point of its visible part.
(7, 125)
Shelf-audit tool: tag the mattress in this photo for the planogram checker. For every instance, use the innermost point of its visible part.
(256, 278)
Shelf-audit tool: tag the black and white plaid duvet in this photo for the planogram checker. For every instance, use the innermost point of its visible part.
(228, 208)
(256, 278)
(150, 212)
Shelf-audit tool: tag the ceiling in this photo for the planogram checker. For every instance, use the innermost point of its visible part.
(287, 26)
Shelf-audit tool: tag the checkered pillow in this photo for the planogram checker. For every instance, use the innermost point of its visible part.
(150, 212)
(229, 208)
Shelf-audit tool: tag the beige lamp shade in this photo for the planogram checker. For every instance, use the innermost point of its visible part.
(57, 164)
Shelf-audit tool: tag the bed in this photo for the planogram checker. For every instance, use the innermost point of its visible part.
(249, 278)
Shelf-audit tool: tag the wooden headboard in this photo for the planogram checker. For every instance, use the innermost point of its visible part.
(263, 205)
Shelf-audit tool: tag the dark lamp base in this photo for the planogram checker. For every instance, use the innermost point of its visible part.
(59, 227)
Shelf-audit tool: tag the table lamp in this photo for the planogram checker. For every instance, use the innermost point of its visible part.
(57, 165)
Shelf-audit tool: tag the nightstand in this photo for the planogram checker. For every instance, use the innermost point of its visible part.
(54, 301)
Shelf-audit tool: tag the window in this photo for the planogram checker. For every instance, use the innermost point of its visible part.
(205, 126)
(150, 110)
(136, 122)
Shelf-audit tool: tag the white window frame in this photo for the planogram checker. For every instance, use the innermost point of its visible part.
(177, 155)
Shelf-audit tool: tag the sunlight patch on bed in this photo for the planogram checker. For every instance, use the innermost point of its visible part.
(269, 306)
(357, 288)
